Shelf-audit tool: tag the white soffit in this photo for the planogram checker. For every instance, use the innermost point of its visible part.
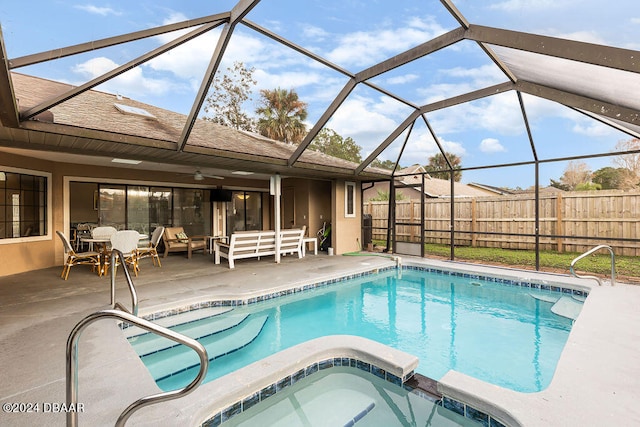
(593, 81)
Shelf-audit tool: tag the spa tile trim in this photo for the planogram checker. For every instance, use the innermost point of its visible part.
(276, 387)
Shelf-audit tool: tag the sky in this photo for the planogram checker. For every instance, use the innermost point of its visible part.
(354, 35)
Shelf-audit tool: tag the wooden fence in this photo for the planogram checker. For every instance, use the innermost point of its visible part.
(600, 216)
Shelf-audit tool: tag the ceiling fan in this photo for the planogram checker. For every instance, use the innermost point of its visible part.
(199, 176)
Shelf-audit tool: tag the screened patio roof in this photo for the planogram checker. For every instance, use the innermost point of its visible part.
(598, 81)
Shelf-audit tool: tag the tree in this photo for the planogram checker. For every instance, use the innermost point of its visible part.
(437, 163)
(576, 173)
(282, 115)
(229, 92)
(614, 178)
(630, 162)
(329, 142)
(384, 164)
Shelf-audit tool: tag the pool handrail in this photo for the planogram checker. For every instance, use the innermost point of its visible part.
(72, 363)
(589, 252)
(118, 311)
(127, 275)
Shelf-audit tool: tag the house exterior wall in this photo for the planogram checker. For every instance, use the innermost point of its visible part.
(346, 232)
(313, 200)
(32, 253)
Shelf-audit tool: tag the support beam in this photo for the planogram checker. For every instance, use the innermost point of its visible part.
(595, 106)
(453, 10)
(299, 49)
(237, 13)
(43, 106)
(36, 58)
(606, 56)
(417, 52)
(396, 133)
(8, 106)
(467, 97)
(346, 90)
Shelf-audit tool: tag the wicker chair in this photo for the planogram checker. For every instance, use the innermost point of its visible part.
(175, 240)
(75, 258)
(126, 241)
(151, 250)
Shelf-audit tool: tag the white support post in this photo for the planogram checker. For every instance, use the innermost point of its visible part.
(275, 190)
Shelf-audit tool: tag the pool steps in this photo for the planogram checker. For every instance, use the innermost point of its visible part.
(178, 319)
(563, 305)
(150, 343)
(162, 364)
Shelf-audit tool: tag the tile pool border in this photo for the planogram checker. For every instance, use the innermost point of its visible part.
(274, 388)
(529, 283)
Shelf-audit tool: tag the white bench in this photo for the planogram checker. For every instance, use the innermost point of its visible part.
(256, 244)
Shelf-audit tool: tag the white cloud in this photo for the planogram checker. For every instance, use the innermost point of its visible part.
(96, 10)
(498, 113)
(315, 33)
(132, 84)
(592, 128)
(580, 36)
(406, 78)
(363, 48)
(519, 5)
(491, 145)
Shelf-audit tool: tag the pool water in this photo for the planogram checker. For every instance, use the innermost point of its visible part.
(345, 397)
(504, 335)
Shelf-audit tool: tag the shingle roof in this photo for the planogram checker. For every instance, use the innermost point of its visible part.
(96, 110)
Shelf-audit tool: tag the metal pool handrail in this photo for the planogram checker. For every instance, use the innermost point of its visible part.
(120, 312)
(127, 275)
(589, 252)
(72, 363)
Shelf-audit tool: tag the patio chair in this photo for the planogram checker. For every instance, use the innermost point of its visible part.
(75, 258)
(151, 250)
(176, 240)
(126, 241)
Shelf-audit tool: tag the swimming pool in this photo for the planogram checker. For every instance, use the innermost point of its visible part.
(501, 331)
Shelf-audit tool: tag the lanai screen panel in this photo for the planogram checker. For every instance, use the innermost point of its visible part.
(593, 81)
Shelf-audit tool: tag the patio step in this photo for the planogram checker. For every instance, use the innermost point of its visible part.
(179, 319)
(150, 343)
(176, 359)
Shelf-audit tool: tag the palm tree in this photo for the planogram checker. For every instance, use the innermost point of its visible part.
(282, 115)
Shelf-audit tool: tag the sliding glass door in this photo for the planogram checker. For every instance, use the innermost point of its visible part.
(244, 212)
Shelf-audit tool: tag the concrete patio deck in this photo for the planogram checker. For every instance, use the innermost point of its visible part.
(595, 382)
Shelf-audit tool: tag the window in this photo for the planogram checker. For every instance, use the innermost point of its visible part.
(23, 205)
(244, 212)
(349, 199)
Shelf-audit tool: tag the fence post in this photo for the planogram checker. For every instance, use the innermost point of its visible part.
(559, 226)
(473, 223)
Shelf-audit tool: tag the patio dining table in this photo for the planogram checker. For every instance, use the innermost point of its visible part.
(103, 244)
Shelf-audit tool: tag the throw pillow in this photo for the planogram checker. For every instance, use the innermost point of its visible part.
(182, 237)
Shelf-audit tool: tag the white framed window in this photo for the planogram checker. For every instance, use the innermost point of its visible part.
(349, 199)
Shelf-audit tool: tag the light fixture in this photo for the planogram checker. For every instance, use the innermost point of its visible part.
(242, 173)
(3, 176)
(126, 161)
(243, 196)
